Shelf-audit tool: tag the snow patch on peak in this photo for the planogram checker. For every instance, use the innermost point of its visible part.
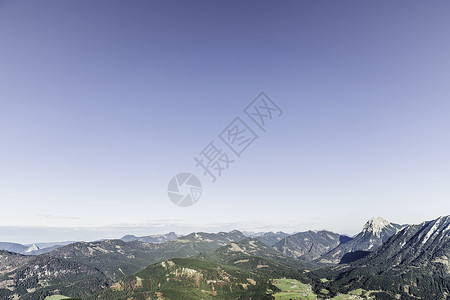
(438, 223)
(444, 218)
(32, 248)
(376, 225)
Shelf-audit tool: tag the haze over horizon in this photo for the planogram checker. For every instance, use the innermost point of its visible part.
(102, 103)
(31, 235)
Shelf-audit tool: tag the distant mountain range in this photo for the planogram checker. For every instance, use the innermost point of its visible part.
(13, 247)
(32, 249)
(311, 244)
(152, 239)
(384, 261)
(268, 238)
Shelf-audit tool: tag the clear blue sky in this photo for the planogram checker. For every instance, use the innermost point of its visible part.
(102, 102)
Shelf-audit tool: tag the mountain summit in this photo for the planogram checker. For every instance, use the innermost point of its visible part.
(376, 225)
(32, 248)
(375, 232)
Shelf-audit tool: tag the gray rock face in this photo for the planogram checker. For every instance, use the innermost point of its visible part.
(310, 245)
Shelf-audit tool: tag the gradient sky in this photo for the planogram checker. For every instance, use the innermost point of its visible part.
(102, 102)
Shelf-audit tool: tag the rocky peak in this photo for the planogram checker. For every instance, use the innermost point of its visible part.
(32, 248)
(376, 225)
